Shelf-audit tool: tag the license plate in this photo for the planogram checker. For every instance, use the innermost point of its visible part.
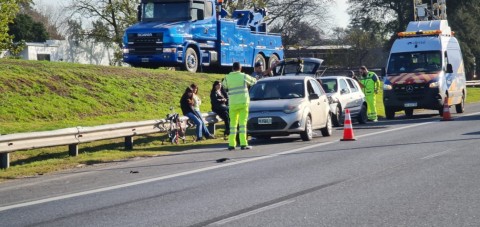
(265, 121)
(145, 60)
(410, 104)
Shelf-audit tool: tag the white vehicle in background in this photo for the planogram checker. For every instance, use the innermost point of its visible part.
(344, 93)
(425, 66)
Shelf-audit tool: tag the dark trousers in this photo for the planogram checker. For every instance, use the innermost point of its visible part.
(223, 114)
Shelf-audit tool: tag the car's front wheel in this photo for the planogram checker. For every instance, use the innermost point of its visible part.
(337, 117)
(362, 116)
(307, 135)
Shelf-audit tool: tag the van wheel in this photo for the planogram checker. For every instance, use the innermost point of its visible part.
(390, 113)
(327, 131)
(460, 108)
(409, 113)
(440, 111)
(307, 135)
(191, 60)
(362, 116)
(337, 118)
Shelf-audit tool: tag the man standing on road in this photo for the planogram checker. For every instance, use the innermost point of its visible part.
(237, 84)
(370, 84)
(258, 72)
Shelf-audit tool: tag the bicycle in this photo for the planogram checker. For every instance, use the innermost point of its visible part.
(175, 130)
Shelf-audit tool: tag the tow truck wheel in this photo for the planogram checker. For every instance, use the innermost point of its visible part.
(260, 58)
(191, 60)
(273, 58)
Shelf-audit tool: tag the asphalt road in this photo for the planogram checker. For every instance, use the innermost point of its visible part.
(405, 172)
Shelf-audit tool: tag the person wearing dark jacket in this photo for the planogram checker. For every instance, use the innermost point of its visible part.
(219, 99)
(186, 104)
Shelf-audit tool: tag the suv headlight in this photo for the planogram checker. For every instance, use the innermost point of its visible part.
(433, 85)
(387, 87)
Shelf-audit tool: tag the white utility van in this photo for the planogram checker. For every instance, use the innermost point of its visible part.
(425, 67)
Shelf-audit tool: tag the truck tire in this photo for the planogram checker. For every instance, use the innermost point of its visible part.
(460, 108)
(191, 60)
(260, 58)
(273, 58)
(390, 113)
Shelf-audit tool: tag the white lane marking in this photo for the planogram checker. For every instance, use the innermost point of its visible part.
(435, 155)
(198, 170)
(256, 211)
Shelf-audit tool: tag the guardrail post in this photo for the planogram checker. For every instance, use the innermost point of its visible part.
(73, 149)
(128, 142)
(5, 160)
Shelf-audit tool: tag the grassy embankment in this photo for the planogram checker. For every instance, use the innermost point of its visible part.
(38, 96)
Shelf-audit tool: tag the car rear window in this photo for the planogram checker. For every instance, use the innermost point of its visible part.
(277, 89)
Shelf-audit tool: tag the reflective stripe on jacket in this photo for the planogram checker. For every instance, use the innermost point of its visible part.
(371, 83)
(237, 85)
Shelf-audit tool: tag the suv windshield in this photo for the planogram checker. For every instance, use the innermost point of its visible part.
(277, 89)
(412, 62)
(165, 12)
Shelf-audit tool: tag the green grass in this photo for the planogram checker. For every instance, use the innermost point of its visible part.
(39, 96)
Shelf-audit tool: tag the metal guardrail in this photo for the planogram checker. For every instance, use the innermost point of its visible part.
(74, 136)
(473, 83)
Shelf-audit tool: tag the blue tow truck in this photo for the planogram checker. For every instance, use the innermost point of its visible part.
(195, 34)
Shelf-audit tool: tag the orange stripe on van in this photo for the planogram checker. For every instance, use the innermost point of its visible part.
(412, 78)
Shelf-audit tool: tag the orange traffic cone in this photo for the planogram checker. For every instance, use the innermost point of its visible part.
(348, 129)
(446, 111)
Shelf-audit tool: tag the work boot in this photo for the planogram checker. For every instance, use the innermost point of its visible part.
(246, 147)
(231, 148)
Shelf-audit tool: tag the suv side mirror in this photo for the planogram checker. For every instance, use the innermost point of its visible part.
(343, 91)
(139, 13)
(449, 68)
(313, 96)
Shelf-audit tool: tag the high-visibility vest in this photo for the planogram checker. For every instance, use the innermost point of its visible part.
(237, 85)
(371, 83)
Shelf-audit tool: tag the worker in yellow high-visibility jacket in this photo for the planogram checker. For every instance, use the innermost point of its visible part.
(370, 83)
(237, 84)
